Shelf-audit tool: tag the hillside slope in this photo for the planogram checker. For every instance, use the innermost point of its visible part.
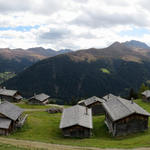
(86, 73)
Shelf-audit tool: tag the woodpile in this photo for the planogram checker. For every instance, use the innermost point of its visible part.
(54, 110)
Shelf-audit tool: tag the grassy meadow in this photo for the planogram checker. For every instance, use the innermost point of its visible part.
(11, 147)
(44, 127)
(27, 106)
(104, 70)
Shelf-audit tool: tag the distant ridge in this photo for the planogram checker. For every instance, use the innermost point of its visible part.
(16, 60)
(136, 44)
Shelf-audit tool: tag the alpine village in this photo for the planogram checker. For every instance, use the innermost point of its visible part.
(74, 75)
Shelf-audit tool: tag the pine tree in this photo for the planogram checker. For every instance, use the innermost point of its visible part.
(142, 89)
(132, 94)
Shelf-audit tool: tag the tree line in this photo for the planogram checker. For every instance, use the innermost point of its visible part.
(138, 94)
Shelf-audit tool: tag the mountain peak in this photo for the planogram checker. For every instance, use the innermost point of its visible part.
(116, 44)
(64, 51)
(136, 44)
(36, 48)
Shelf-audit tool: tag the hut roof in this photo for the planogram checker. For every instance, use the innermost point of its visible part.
(18, 97)
(108, 96)
(76, 115)
(146, 93)
(10, 110)
(40, 97)
(91, 100)
(81, 101)
(7, 92)
(119, 108)
(5, 123)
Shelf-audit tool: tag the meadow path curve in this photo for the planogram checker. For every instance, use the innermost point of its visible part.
(47, 146)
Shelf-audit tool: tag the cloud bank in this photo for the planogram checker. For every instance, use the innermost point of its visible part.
(74, 24)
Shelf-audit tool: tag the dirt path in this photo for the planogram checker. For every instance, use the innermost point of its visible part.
(48, 146)
(40, 145)
(35, 109)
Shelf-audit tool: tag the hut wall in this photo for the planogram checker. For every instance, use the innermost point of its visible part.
(8, 98)
(109, 123)
(46, 101)
(145, 99)
(77, 131)
(3, 131)
(131, 124)
(34, 101)
(7, 131)
(97, 108)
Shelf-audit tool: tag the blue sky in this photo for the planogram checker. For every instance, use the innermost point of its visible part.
(73, 24)
(137, 32)
(19, 28)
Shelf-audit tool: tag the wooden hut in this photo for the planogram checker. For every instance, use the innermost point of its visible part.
(10, 95)
(11, 117)
(40, 99)
(123, 116)
(76, 121)
(95, 103)
(146, 96)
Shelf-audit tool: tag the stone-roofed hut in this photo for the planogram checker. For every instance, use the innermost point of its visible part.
(124, 116)
(95, 103)
(11, 117)
(10, 95)
(39, 99)
(76, 121)
(146, 96)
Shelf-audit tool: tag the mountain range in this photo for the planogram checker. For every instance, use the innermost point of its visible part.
(84, 73)
(16, 60)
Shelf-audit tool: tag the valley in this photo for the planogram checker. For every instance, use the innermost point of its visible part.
(84, 73)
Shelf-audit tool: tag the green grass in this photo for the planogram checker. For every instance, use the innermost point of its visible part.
(27, 106)
(10, 147)
(144, 105)
(104, 70)
(44, 127)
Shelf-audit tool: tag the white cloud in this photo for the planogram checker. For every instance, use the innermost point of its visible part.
(34, 6)
(71, 24)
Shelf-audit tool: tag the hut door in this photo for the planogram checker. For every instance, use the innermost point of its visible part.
(73, 133)
(81, 133)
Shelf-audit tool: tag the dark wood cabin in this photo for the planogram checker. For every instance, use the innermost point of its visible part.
(11, 118)
(123, 117)
(146, 96)
(39, 99)
(77, 122)
(10, 95)
(95, 103)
